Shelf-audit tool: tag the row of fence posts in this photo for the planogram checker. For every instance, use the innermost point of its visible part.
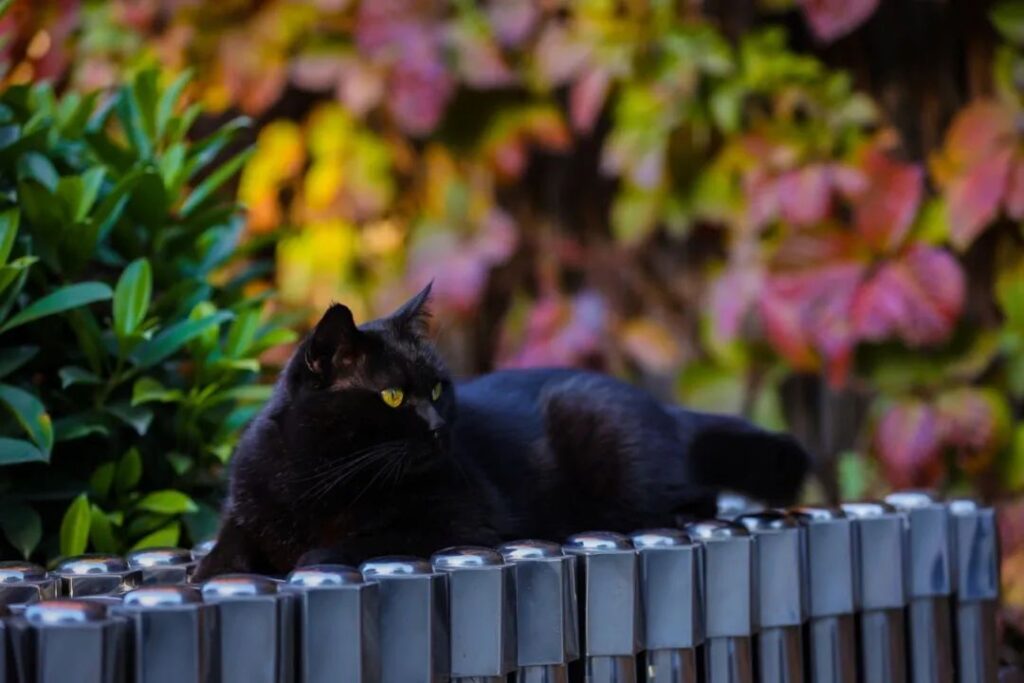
(904, 590)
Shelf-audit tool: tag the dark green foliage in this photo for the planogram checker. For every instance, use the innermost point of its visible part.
(128, 351)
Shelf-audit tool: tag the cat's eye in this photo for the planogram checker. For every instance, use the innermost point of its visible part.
(435, 393)
(393, 397)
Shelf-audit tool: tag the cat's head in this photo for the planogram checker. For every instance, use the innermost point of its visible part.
(383, 379)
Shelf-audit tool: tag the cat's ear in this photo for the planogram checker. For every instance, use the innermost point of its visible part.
(413, 316)
(334, 337)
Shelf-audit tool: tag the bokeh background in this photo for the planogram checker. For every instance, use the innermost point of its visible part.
(805, 211)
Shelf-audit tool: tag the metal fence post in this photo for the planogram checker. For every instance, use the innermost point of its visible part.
(609, 592)
(781, 594)
(670, 593)
(546, 610)
(977, 590)
(413, 619)
(730, 605)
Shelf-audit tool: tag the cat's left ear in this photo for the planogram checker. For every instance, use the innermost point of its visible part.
(413, 316)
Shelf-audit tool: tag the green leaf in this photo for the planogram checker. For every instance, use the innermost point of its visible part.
(204, 151)
(79, 426)
(131, 120)
(169, 98)
(146, 92)
(101, 532)
(165, 344)
(72, 374)
(137, 418)
(63, 299)
(8, 231)
(165, 537)
(30, 414)
(14, 357)
(1008, 18)
(74, 529)
(213, 181)
(37, 167)
(17, 451)
(132, 296)
(22, 527)
(242, 333)
(129, 471)
(147, 389)
(11, 273)
(168, 502)
(102, 479)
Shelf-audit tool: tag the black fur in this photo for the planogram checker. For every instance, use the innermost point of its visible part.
(328, 471)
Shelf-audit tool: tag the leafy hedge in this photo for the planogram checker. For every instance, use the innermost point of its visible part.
(129, 348)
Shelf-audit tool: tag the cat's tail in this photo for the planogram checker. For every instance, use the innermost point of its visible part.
(730, 453)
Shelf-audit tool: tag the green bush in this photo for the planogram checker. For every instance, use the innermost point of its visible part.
(128, 350)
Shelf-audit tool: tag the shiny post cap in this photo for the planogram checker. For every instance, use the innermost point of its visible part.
(878, 531)
(23, 582)
(162, 596)
(733, 505)
(339, 624)
(251, 609)
(395, 567)
(609, 588)
(669, 588)
(16, 571)
(728, 577)
(414, 641)
(830, 557)
(163, 565)
(202, 549)
(546, 610)
(929, 540)
(481, 610)
(977, 551)
(64, 613)
(233, 586)
(325, 576)
(782, 599)
(96, 574)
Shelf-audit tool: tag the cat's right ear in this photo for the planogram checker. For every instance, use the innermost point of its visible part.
(334, 339)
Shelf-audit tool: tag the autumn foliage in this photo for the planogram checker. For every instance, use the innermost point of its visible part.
(629, 186)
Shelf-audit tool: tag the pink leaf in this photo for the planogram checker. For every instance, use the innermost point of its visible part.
(512, 20)
(832, 19)
(586, 98)
(559, 56)
(804, 195)
(978, 131)
(420, 89)
(917, 298)
(974, 197)
(731, 296)
(480, 62)
(975, 422)
(907, 440)
(886, 210)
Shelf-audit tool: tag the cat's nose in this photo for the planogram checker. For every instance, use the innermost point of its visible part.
(435, 423)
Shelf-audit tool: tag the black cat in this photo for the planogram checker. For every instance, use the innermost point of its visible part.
(367, 448)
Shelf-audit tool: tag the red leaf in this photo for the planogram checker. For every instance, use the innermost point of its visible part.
(731, 296)
(809, 311)
(886, 210)
(804, 195)
(907, 441)
(586, 98)
(420, 89)
(977, 132)
(917, 298)
(832, 19)
(974, 197)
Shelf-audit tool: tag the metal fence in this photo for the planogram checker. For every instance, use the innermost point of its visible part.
(897, 591)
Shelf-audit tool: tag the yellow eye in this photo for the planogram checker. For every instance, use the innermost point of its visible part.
(393, 397)
(435, 393)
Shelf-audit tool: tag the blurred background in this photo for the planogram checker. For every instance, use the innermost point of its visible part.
(805, 211)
